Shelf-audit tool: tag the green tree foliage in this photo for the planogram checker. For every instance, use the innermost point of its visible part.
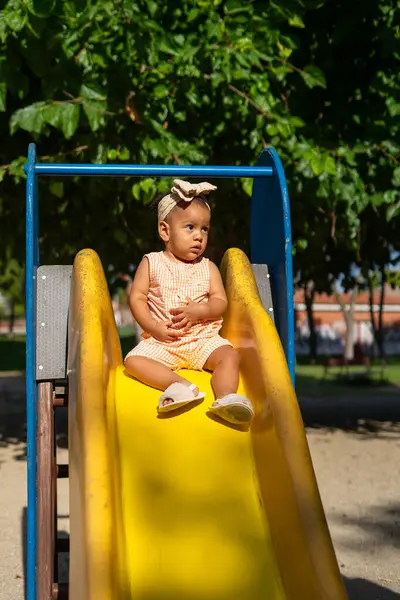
(209, 82)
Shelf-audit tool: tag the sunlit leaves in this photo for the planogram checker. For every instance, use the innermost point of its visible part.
(313, 76)
(201, 82)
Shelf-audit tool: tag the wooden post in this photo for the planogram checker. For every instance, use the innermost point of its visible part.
(45, 493)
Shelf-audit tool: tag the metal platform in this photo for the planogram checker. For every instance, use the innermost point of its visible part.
(52, 296)
(263, 281)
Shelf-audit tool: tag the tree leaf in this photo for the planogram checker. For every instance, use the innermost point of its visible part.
(329, 165)
(41, 8)
(147, 184)
(70, 119)
(92, 92)
(3, 172)
(393, 106)
(166, 46)
(296, 21)
(3, 95)
(112, 154)
(15, 19)
(272, 129)
(53, 114)
(30, 118)
(286, 52)
(317, 164)
(160, 91)
(247, 186)
(393, 211)
(152, 7)
(124, 154)
(313, 76)
(136, 191)
(16, 168)
(95, 115)
(297, 122)
(57, 188)
(396, 177)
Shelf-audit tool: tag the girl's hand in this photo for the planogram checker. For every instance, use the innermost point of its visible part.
(162, 331)
(185, 316)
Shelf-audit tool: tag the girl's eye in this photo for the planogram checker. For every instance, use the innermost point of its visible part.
(205, 229)
(189, 227)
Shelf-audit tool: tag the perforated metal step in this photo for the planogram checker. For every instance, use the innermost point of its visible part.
(263, 280)
(52, 295)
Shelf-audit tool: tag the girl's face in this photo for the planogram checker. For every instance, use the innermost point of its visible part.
(186, 233)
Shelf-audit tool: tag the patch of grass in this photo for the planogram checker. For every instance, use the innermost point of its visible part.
(310, 380)
(12, 353)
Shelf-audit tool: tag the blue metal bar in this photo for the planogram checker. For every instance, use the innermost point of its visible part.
(151, 170)
(271, 244)
(32, 260)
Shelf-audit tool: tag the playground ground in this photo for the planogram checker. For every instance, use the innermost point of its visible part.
(355, 446)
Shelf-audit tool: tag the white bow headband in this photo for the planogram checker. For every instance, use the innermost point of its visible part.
(183, 191)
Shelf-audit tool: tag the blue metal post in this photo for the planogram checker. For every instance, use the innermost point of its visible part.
(271, 244)
(36, 224)
(32, 261)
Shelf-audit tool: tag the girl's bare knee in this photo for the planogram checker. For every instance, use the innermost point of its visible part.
(133, 363)
(231, 357)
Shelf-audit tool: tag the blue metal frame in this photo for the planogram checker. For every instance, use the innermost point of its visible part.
(271, 244)
(151, 171)
(32, 262)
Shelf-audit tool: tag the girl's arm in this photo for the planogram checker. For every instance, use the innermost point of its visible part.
(217, 301)
(138, 297)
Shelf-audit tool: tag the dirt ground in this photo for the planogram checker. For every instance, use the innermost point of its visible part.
(356, 456)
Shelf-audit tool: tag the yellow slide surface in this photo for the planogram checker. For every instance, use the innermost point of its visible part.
(184, 507)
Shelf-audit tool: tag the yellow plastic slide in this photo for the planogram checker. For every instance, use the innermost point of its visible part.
(185, 507)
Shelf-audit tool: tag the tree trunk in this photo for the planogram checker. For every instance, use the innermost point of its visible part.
(349, 340)
(348, 315)
(309, 293)
(371, 309)
(377, 328)
(381, 341)
(11, 322)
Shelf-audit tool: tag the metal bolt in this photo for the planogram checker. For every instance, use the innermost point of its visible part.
(40, 367)
(43, 276)
(270, 309)
(42, 324)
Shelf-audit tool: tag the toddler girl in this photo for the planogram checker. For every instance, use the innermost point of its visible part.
(178, 299)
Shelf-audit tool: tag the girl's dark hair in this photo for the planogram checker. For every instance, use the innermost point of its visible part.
(154, 203)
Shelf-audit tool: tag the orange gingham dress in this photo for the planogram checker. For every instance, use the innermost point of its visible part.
(170, 284)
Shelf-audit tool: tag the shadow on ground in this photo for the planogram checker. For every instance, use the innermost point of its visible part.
(362, 589)
(12, 413)
(370, 415)
(13, 416)
(382, 524)
(63, 557)
(337, 384)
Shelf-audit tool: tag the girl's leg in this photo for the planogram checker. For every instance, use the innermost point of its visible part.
(154, 373)
(237, 409)
(224, 363)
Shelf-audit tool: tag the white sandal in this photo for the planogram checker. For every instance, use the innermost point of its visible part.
(234, 409)
(180, 394)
